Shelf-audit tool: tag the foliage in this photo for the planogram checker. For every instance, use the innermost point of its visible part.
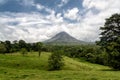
(110, 40)
(39, 48)
(8, 46)
(23, 51)
(110, 35)
(55, 61)
(2, 48)
(22, 44)
(16, 46)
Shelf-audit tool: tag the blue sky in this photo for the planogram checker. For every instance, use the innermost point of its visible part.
(39, 20)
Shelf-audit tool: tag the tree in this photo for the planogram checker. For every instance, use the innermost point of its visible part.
(55, 61)
(39, 48)
(110, 40)
(15, 46)
(8, 46)
(111, 31)
(23, 51)
(2, 48)
(22, 44)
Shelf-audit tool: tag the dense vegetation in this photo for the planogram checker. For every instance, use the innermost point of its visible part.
(15, 46)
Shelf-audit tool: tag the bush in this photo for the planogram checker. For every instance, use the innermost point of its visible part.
(23, 51)
(55, 61)
(90, 57)
(114, 61)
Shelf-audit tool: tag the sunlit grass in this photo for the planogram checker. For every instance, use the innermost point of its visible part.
(32, 67)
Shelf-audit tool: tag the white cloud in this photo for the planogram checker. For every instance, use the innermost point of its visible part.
(31, 27)
(101, 4)
(92, 20)
(39, 7)
(72, 14)
(63, 2)
(98, 4)
(27, 2)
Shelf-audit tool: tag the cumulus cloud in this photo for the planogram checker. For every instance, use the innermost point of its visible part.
(96, 13)
(72, 14)
(34, 27)
(31, 27)
(98, 4)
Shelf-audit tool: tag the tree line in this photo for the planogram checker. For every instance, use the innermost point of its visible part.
(15, 46)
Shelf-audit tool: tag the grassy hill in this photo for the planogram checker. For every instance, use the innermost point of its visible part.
(32, 67)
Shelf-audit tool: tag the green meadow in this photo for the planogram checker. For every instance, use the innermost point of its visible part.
(31, 67)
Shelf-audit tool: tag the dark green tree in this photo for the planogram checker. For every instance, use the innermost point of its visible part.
(22, 44)
(39, 48)
(8, 46)
(55, 61)
(110, 40)
(2, 48)
(15, 46)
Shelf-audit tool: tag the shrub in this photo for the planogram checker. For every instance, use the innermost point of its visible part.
(114, 61)
(23, 51)
(55, 61)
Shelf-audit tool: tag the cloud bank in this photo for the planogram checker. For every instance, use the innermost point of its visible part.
(44, 22)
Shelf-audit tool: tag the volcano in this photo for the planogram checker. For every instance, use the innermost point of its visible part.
(64, 38)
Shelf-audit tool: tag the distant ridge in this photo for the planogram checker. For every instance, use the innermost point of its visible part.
(64, 38)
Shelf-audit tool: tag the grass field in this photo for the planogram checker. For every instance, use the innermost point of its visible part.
(32, 67)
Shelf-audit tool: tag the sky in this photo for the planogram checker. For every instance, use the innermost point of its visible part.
(39, 20)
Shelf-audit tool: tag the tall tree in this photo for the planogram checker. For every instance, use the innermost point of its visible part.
(22, 44)
(2, 48)
(8, 46)
(110, 40)
(39, 47)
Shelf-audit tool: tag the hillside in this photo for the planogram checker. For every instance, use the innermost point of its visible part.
(32, 67)
(64, 38)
